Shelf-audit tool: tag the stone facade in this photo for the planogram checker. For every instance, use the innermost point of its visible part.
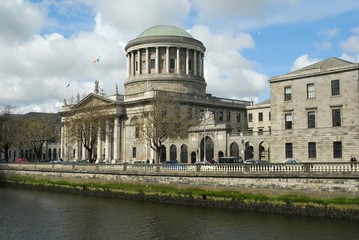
(315, 114)
(166, 58)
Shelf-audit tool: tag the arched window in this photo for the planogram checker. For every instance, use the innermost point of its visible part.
(209, 149)
(173, 152)
(184, 154)
(234, 150)
(163, 154)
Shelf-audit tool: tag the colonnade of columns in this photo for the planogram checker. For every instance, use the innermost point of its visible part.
(193, 63)
(108, 150)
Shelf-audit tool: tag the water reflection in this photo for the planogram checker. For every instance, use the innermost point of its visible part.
(29, 214)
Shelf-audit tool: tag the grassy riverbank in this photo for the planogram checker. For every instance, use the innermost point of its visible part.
(347, 208)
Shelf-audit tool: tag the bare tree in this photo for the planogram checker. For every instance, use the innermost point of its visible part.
(84, 126)
(163, 118)
(9, 130)
(37, 130)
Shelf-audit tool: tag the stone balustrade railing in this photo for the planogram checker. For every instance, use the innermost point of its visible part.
(213, 169)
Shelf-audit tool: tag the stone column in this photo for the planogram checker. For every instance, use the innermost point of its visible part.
(62, 142)
(178, 60)
(195, 62)
(83, 153)
(157, 60)
(147, 62)
(108, 142)
(200, 65)
(167, 59)
(187, 62)
(128, 65)
(99, 146)
(132, 63)
(139, 61)
(115, 140)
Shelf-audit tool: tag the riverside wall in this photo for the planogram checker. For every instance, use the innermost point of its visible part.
(324, 180)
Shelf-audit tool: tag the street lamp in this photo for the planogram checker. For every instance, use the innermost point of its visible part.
(203, 118)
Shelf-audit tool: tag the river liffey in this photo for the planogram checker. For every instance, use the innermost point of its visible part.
(28, 214)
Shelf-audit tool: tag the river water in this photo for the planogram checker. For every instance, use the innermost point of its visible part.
(27, 214)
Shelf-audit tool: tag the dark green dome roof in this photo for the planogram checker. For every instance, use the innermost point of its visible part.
(165, 30)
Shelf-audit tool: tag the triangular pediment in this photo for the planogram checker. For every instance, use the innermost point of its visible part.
(93, 100)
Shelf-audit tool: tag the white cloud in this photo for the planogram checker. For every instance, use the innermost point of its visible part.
(350, 46)
(329, 32)
(303, 61)
(244, 14)
(227, 72)
(19, 20)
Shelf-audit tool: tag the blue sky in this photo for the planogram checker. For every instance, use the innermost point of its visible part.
(47, 44)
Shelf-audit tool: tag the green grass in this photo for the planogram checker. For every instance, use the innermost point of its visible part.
(165, 190)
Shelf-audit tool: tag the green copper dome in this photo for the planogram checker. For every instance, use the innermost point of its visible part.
(164, 30)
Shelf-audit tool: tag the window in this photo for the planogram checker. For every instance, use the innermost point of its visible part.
(189, 112)
(310, 90)
(269, 116)
(136, 66)
(228, 116)
(312, 150)
(137, 132)
(260, 131)
(152, 64)
(260, 117)
(336, 117)
(189, 65)
(287, 93)
(288, 150)
(220, 116)
(337, 149)
(238, 117)
(311, 119)
(134, 152)
(250, 117)
(288, 121)
(172, 63)
(335, 87)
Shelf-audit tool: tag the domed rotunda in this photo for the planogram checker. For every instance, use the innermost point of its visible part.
(167, 58)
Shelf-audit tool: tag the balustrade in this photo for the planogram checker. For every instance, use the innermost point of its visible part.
(191, 168)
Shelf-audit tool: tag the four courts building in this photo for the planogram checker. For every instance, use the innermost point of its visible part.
(297, 122)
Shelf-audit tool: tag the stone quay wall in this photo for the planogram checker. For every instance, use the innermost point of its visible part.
(324, 180)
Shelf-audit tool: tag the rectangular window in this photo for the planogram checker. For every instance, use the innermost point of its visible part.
(172, 63)
(312, 150)
(260, 131)
(190, 116)
(337, 149)
(335, 87)
(238, 117)
(310, 90)
(336, 117)
(190, 65)
(250, 117)
(152, 64)
(137, 132)
(288, 150)
(269, 116)
(228, 116)
(134, 152)
(220, 116)
(287, 93)
(136, 66)
(288, 121)
(260, 117)
(311, 119)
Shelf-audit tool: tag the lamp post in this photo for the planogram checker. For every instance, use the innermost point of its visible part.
(203, 117)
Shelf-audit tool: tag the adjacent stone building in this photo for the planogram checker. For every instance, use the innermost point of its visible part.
(312, 114)
(315, 112)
